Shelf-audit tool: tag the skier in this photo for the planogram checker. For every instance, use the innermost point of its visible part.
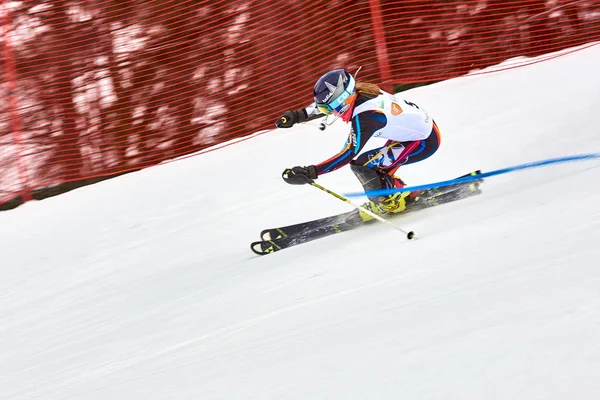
(411, 134)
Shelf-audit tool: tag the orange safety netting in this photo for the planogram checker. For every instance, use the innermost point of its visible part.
(93, 89)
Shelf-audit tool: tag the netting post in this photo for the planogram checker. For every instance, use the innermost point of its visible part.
(15, 120)
(380, 45)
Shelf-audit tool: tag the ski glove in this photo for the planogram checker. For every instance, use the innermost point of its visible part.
(289, 118)
(300, 175)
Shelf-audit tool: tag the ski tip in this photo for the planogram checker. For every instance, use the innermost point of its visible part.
(265, 235)
(257, 248)
(264, 247)
(272, 234)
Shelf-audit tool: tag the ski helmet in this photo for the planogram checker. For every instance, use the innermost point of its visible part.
(332, 91)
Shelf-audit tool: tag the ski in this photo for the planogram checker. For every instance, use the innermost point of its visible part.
(263, 247)
(351, 220)
(295, 229)
(450, 188)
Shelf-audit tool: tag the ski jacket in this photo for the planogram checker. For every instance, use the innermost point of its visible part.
(383, 116)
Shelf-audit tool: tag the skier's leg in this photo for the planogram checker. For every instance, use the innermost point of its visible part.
(379, 160)
(375, 169)
(371, 178)
(416, 151)
(374, 179)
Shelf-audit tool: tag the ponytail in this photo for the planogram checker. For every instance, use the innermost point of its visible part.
(369, 89)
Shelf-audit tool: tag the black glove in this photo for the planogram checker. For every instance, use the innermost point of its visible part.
(300, 175)
(289, 118)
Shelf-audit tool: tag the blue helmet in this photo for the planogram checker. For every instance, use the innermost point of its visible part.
(332, 90)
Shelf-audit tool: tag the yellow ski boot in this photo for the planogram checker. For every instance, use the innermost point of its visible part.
(392, 204)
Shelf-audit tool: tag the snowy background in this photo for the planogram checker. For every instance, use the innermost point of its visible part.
(144, 286)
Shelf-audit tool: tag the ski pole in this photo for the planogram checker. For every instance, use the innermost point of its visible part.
(409, 234)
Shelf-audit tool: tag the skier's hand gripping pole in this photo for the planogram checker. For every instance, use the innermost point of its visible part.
(409, 234)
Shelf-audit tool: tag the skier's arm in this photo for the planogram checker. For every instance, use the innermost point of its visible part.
(361, 131)
(301, 175)
(291, 117)
(364, 125)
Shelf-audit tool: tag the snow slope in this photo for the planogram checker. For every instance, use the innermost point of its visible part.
(144, 287)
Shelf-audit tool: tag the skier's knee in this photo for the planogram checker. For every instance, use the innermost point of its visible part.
(361, 169)
(362, 172)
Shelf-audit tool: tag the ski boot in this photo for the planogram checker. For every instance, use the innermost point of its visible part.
(396, 182)
(392, 204)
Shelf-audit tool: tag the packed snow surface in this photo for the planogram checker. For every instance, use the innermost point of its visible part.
(144, 286)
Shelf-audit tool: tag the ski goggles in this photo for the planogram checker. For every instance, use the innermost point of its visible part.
(324, 109)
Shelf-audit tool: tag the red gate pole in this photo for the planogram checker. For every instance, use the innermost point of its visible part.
(15, 120)
(381, 45)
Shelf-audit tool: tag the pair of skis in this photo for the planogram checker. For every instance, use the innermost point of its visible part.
(276, 239)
